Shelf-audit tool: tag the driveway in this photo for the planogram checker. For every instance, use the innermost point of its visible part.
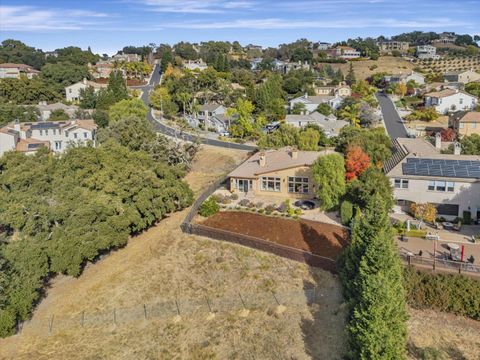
(393, 122)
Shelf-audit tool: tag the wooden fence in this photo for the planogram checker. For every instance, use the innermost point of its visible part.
(441, 265)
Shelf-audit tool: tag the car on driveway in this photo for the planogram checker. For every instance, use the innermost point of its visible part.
(305, 204)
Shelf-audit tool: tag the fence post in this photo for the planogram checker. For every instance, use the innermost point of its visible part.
(145, 311)
(241, 299)
(50, 326)
(409, 262)
(178, 308)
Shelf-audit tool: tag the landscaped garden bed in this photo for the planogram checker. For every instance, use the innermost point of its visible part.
(314, 237)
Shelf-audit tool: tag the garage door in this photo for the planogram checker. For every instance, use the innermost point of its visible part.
(447, 209)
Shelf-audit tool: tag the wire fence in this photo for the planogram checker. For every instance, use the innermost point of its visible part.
(175, 308)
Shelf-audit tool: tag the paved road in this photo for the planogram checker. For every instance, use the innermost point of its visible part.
(169, 131)
(393, 122)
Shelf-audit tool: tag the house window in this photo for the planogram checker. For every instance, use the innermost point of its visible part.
(474, 125)
(401, 183)
(46, 131)
(431, 185)
(461, 126)
(69, 91)
(75, 135)
(41, 132)
(440, 185)
(298, 185)
(461, 101)
(54, 131)
(85, 135)
(450, 186)
(270, 184)
(58, 145)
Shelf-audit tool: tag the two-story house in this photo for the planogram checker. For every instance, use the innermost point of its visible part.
(212, 115)
(311, 102)
(463, 76)
(465, 123)
(387, 47)
(419, 173)
(344, 52)
(448, 100)
(195, 65)
(427, 52)
(342, 90)
(9, 70)
(56, 135)
(405, 78)
(284, 173)
(72, 92)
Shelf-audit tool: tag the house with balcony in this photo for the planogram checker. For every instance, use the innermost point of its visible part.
(55, 135)
(419, 173)
(386, 47)
(449, 100)
(344, 52)
(283, 173)
(427, 52)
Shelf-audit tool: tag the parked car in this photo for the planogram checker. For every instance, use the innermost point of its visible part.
(224, 133)
(305, 204)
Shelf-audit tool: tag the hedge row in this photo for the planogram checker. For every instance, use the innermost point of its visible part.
(451, 293)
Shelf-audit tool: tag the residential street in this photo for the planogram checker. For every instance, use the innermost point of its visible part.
(393, 122)
(169, 131)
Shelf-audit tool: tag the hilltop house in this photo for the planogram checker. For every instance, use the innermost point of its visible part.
(72, 92)
(55, 135)
(448, 100)
(311, 102)
(465, 123)
(329, 123)
(446, 38)
(322, 46)
(282, 173)
(10, 70)
(387, 47)
(213, 116)
(344, 52)
(419, 173)
(427, 52)
(342, 90)
(463, 76)
(195, 65)
(126, 57)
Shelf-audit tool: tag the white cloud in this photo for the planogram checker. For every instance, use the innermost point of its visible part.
(199, 7)
(28, 18)
(276, 23)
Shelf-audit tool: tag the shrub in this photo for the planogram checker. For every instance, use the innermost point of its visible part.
(456, 294)
(259, 205)
(269, 209)
(209, 207)
(467, 217)
(234, 196)
(261, 211)
(245, 202)
(298, 212)
(285, 206)
(346, 212)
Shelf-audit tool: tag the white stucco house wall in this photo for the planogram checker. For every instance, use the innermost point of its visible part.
(72, 92)
(448, 100)
(419, 173)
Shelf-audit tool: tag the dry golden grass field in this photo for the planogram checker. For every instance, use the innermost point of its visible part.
(365, 68)
(164, 264)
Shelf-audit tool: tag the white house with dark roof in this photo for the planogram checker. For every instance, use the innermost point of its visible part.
(419, 173)
(462, 76)
(405, 78)
(55, 135)
(72, 92)
(448, 100)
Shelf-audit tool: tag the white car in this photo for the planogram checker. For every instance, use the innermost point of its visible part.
(224, 133)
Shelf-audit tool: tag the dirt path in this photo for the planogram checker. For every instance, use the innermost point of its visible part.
(163, 264)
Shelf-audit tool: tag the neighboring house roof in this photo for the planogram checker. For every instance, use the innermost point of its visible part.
(209, 107)
(276, 160)
(447, 93)
(47, 125)
(15, 66)
(56, 106)
(419, 158)
(316, 99)
(29, 144)
(458, 72)
(471, 117)
(93, 84)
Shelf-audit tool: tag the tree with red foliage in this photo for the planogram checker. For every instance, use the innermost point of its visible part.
(356, 162)
(448, 134)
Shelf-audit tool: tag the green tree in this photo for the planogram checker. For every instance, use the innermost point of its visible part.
(88, 98)
(308, 139)
(63, 74)
(329, 177)
(244, 125)
(372, 181)
(127, 108)
(101, 118)
(167, 58)
(117, 86)
(269, 98)
(58, 115)
(350, 78)
(324, 109)
(299, 108)
(470, 144)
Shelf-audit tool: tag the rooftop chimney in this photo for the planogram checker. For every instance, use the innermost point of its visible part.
(457, 149)
(438, 140)
(262, 160)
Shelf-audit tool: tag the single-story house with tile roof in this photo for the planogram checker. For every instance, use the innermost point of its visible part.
(284, 173)
(448, 100)
(329, 123)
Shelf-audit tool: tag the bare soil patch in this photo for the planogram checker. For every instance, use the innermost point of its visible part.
(317, 238)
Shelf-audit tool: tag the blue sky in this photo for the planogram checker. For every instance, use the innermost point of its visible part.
(108, 25)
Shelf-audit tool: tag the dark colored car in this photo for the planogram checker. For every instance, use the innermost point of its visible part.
(305, 204)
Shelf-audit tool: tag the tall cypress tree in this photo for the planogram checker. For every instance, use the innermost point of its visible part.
(350, 78)
(373, 284)
(117, 87)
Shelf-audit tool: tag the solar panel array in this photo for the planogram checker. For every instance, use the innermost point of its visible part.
(442, 167)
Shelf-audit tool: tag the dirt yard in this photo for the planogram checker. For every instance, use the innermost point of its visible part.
(440, 336)
(164, 264)
(365, 68)
(315, 237)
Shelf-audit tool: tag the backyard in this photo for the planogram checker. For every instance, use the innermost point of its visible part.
(315, 237)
